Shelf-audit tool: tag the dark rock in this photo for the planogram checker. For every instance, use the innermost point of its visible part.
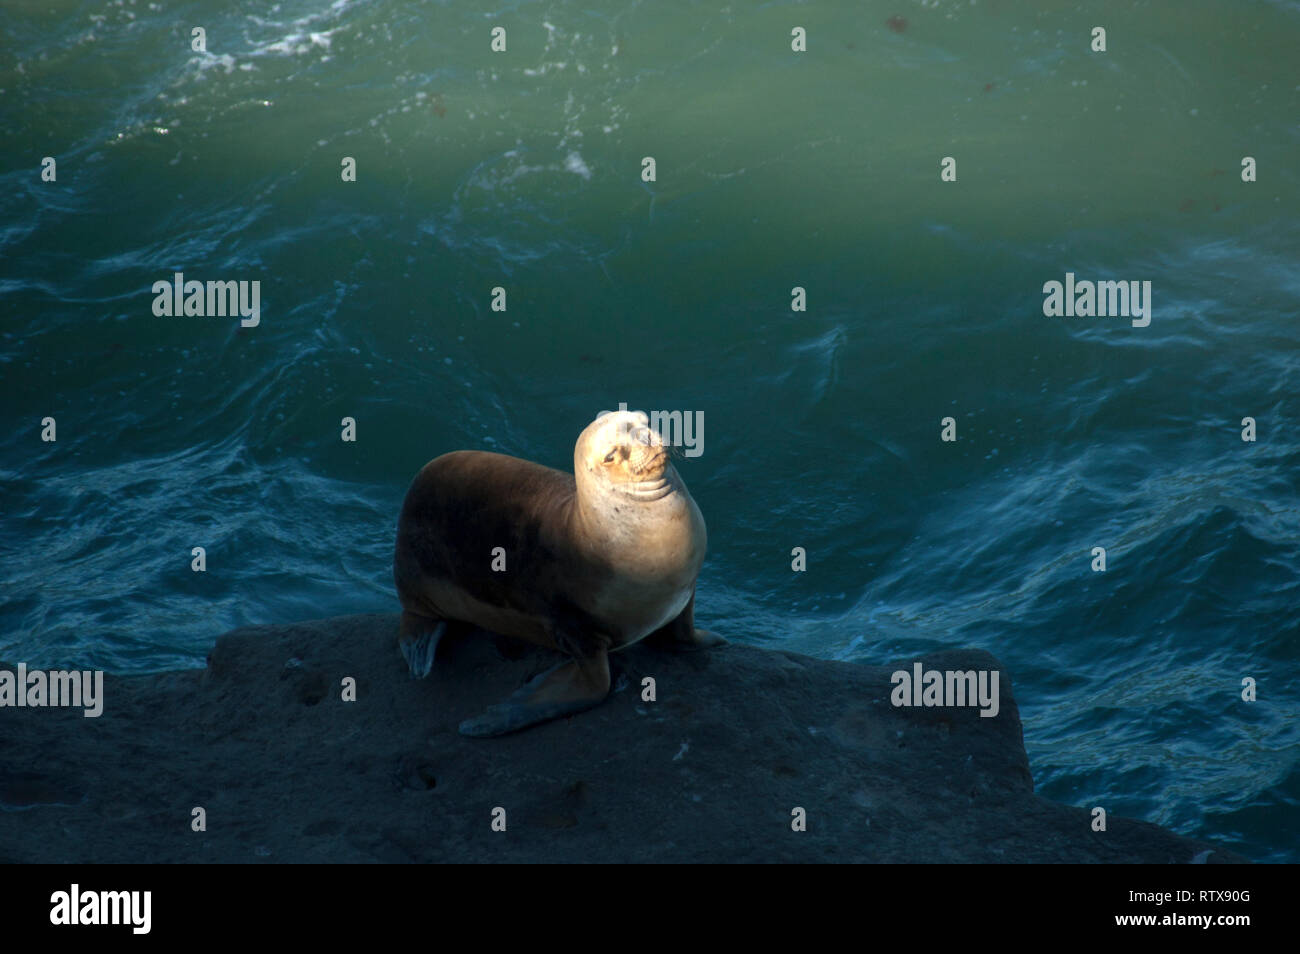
(738, 737)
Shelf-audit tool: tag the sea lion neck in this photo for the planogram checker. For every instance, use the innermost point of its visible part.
(598, 503)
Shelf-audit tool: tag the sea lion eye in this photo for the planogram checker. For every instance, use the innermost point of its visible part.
(609, 458)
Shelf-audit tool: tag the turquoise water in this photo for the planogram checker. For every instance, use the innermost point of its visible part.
(774, 169)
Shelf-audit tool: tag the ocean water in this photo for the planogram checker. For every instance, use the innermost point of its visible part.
(774, 169)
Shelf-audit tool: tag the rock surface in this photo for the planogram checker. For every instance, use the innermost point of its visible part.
(738, 737)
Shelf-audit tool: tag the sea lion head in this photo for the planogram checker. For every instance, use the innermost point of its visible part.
(621, 453)
(635, 516)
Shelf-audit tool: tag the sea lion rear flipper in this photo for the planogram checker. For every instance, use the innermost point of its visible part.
(559, 691)
(418, 641)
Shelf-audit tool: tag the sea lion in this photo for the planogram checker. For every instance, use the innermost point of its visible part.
(593, 561)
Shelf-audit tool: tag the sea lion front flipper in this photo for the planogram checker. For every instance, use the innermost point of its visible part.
(707, 639)
(418, 640)
(559, 691)
(680, 634)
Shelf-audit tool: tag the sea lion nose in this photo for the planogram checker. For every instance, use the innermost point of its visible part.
(644, 435)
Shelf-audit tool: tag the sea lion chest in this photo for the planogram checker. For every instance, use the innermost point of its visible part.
(651, 554)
